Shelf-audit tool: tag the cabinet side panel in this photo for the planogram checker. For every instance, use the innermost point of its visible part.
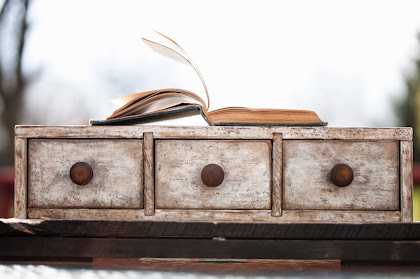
(406, 166)
(20, 178)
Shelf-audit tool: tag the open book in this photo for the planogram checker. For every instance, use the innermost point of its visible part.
(163, 104)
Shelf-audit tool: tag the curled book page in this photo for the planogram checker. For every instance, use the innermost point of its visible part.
(168, 47)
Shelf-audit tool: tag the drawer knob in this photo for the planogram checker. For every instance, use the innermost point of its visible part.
(212, 175)
(81, 173)
(341, 175)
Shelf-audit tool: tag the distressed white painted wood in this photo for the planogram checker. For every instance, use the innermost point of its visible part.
(263, 216)
(149, 175)
(117, 173)
(258, 164)
(20, 203)
(221, 132)
(406, 181)
(277, 175)
(307, 167)
(247, 178)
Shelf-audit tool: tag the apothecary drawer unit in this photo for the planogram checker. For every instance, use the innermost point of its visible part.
(232, 174)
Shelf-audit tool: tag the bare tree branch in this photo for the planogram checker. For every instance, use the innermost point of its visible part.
(3, 9)
(23, 26)
(13, 93)
(2, 90)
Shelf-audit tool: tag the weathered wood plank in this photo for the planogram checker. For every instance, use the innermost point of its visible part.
(86, 247)
(340, 216)
(277, 175)
(117, 173)
(149, 175)
(228, 230)
(332, 133)
(258, 216)
(246, 166)
(307, 168)
(406, 162)
(248, 267)
(20, 203)
(227, 132)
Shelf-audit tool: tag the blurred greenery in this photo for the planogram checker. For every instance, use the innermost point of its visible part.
(416, 203)
(408, 108)
(408, 113)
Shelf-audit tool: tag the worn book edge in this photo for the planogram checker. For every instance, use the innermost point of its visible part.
(184, 112)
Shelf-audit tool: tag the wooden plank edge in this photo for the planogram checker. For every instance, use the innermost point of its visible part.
(248, 266)
(261, 216)
(100, 247)
(277, 173)
(149, 174)
(21, 169)
(406, 167)
(223, 132)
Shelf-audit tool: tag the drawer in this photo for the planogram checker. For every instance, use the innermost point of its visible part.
(307, 175)
(246, 166)
(117, 180)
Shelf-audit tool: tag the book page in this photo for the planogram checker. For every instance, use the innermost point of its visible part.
(169, 48)
(147, 102)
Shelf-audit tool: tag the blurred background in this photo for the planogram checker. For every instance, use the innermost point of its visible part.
(356, 63)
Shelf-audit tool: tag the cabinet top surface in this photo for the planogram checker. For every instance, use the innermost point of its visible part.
(219, 132)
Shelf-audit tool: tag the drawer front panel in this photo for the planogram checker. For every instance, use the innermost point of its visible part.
(246, 166)
(117, 180)
(307, 170)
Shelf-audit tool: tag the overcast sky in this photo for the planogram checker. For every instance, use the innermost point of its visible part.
(344, 59)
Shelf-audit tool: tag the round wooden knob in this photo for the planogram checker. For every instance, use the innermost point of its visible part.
(81, 173)
(341, 175)
(212, 175)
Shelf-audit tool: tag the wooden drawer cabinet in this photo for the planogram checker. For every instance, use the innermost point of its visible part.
(235, 174)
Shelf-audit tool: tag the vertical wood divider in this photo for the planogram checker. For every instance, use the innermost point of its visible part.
(21, 173)
(406, 180)
(149, 174)
(276, 199)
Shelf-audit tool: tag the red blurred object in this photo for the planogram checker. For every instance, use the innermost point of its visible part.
(7, 181)
(416, 174)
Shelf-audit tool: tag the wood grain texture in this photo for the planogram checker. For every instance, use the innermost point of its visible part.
(227, 132)
(238, 266)
(117, 173)
(276, 198)
(207, 229)
(258, 216)
(149, 175)
(263, 198)
(246, 164)
(94, 247)
(406, 162)
(307, 166)
(21, 167)
(340, 216)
